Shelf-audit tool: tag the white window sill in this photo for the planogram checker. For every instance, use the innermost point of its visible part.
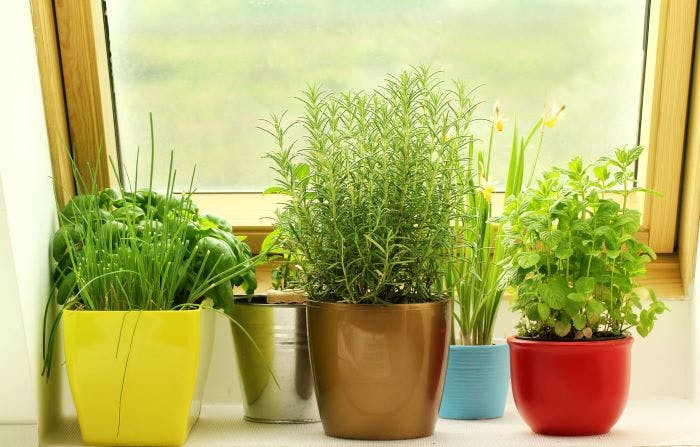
(19, 435)
(652, 422)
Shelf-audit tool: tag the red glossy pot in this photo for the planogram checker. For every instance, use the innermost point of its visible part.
(570, 388)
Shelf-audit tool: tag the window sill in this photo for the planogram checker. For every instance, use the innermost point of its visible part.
(19, 434)
(664, 276)
(659, 422)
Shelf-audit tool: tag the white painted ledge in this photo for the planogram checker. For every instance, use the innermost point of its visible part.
(19, 435)
(654, 422)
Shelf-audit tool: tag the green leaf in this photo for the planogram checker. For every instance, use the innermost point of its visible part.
(620, 177)
(585, 285)
(576, 165)
(605, 231)
(645, 323)
(573, 307)
(516, 165)
(543, 311)
(612, 254)
(532, 312)
(601, 172)
(82, 205)
(551, 237)
(67, 286)
(275, 190)
(218, 221)
(562, 328)
(270, 240)
(579, 321)
(646, 249)
(552, 294)
(633, 154)
(635, 299)
(593, 318)
(129, 213)
(108, 197)
(658, 307)
(581, 226)
(595, 307)
(301, 171)
(67, 235)
(578, 297)
(563, 251)
(527, 260)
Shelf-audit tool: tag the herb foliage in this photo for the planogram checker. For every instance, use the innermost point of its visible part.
(137, 249)
(574, 257)
(474, 275)
(373, 188)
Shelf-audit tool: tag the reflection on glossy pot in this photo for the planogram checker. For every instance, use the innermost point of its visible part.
(279, 331)
(570, 388)
(137, 376)
(378, 370)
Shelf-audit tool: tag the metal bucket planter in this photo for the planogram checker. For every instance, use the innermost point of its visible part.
(137, 377)
(279, 330)
(476, 384)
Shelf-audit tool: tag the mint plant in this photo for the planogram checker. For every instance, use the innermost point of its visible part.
(574, 255)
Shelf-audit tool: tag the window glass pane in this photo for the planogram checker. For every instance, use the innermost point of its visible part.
(210, 70)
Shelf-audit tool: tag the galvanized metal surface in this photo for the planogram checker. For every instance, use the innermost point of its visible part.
(279, 331)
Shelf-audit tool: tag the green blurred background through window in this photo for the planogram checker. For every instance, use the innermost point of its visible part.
(210, 70)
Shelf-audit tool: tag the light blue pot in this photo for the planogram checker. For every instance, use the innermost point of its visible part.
(476, 383)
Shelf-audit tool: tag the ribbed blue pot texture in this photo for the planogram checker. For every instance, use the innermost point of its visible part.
(476, 383)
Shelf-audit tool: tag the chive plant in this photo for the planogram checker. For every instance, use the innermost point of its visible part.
(373, 188)
(136, 249)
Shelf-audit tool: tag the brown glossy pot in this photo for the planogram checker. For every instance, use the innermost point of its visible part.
(378, 370)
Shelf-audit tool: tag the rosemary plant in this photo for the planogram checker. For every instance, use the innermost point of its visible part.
(373, 188)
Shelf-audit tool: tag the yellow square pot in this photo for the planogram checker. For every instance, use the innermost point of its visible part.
(137, 377)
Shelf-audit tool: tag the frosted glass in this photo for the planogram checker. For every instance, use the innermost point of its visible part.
(210, 70)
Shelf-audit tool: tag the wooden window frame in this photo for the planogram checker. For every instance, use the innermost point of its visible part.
(76, 84)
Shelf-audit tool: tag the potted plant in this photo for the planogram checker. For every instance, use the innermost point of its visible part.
(132, 268)
(285, 275)
(478, 371)
(575, 262)
(372, 190)
(276, 322)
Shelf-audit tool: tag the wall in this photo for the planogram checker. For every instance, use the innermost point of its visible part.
(694, 372)
(660, 362)
(26, 216)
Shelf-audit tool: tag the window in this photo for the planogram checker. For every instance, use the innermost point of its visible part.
(210, 71)
(600, 77)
